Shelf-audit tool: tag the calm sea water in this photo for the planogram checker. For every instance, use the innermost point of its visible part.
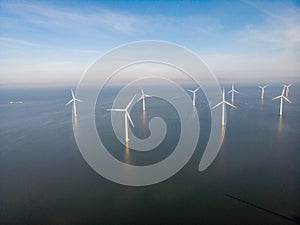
(255, 179)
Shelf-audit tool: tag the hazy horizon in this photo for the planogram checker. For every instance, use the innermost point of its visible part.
(56, 42)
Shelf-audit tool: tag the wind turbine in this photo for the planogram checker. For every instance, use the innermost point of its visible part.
(143, 98)
(262, 90)
(74, 102)
(287, 89)
(281, 98)
(194, 95)
(223, 103)
(126, 117)
(232, 91)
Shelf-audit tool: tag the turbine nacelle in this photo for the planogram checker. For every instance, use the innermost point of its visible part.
(223, 103)
(232, 91)
(287, 87)
(194, 91)
(143, 98)
(194, 94)
(74, 99)
(262, 90)
(262, 87)
(126, 117)
(281, 100)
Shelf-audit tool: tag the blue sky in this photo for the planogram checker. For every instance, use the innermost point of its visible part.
(55, 41)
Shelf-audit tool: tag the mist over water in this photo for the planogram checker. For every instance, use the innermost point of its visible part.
(45, 180)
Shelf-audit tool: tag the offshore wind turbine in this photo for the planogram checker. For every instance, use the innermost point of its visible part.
(287, 86)
(262, 90)
(126, 118)
(143, 98)
(281, 100)
(223, 103)
(194, 95)
(74, 102)
(232, 91)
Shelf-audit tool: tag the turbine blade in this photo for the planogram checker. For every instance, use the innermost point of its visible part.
(78, 100)
(217, 105)
(116, 110)
(287, 85)
(266, 85)
(148, 96)
(142, 91)
(129, 103)
(286, 99)
(260, 86)
(230, 104)
(140, 98)
(276, 97)
(190, 91)
(283, 90)
(73, 96)
(69, 102)
(196, 89)
(229, 91)
(128, 116)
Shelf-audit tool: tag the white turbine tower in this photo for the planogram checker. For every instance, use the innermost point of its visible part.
(143, 98)
(74, 103)
(262, 90)
(232, 91)
(223, 103)
(194, 95)
(287, 86)
(281, 100)
(126, 117)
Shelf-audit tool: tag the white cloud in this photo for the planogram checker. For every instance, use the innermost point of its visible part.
(280, 30)
(13, 42)
(17, 41)
(46, 14)
(270, 49)
(96, 17)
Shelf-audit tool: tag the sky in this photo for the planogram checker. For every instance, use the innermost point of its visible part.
(55, 42)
